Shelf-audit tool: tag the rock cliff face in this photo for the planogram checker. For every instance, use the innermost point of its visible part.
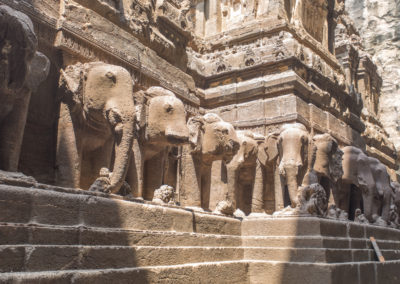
(379, 25)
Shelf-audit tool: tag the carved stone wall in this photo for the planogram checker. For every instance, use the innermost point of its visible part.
(378, 24)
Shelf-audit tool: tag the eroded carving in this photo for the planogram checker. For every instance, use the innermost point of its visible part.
(22, 69)
(96, 122)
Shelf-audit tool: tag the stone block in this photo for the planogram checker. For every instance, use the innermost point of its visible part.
(11, 234)
(11, 259)
(345, 273)
(55, 208)
(367, 273)
(278, 273)
(15, 204)
(51, 258)
(388, 272)
(356, 230)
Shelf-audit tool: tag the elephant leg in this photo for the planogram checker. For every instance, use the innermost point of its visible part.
(232, 191)
(134, 175)
(190, 179)
(93, 161)
(153, 175)
(12, 133)
(386, 202)
(257, 200)
(292, 184)
(69, 149)
(205, 186)
(368, 203)
(279, 190)
(342, 196)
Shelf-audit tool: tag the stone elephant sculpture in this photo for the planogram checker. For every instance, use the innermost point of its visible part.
(96, 125)
(373, 191)
(326, 163)
(22, 70)
(289, 148)
(161, 124)
(211, 139)
(245, 172)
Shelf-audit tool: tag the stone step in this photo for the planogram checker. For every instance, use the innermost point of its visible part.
(313, 226)
(316, 242)
(41, 258)
(44, 257)
(17, 234)
(68, 207)
(253, 272)
(315, 273)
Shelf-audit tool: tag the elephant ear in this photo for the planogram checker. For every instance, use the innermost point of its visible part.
(365, 178)
(195, 125)
(141, 108)
(269, 150)
(70, 83)
(38, 71)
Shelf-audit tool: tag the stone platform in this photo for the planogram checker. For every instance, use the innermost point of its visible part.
(58, 235)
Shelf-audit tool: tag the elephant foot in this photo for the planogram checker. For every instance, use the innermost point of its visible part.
(225, 208)
(101, 184)
(239, 213)
(288, 211)
(259, 215)
(337, 213)
(380, 222)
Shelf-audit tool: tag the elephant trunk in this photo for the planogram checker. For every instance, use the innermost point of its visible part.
(232, 171)
(368, 203)
(123, 146)
(291, 176)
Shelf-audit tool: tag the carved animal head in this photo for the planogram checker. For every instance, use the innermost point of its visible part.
(214, 138)
(166, 118)
(17, 47)
(327, 157)
(249, 144)
(291, 145)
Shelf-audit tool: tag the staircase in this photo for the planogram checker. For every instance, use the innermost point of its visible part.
(58, 235)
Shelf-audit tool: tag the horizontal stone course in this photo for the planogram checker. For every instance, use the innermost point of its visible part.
(71, 236)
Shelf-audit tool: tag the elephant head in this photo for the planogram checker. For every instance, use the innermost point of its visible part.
(100, 99)
(396, 193)
(325, 149)
(213, 138)
(166, 118)
(381, 197)
(290, 146)
(248, 149)
(17, 49)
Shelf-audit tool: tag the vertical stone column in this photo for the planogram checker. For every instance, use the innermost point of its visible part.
(212, 24)
(200, 19)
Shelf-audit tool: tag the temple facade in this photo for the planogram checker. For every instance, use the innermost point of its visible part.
(225, 141)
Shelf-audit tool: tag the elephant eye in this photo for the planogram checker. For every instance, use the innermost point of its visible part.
(169, 108)
(225, 131)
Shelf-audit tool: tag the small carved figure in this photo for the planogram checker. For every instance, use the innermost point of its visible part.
(164, 195)
(224, 207)
(313, 200)
(359, 217)
(336, 213)
(394, 216)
